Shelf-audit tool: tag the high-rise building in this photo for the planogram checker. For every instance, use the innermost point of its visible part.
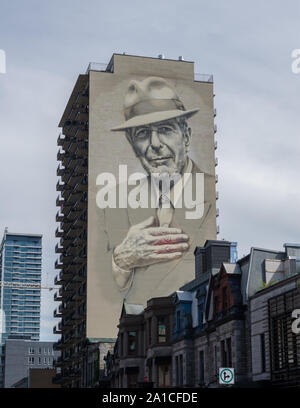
(164, 98)
(20, 296)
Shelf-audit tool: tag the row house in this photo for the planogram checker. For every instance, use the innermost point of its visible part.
(233, 314)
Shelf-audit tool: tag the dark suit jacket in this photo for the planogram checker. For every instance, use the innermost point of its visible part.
(164, 278)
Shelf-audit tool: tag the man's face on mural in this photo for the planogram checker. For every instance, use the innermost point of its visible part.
(162, 147)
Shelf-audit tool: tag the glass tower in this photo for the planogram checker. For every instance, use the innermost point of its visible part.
(20, 292)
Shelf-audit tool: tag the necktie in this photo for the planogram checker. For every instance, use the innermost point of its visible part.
(165, 215)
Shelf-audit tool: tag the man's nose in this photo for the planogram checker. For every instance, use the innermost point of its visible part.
(155, 141)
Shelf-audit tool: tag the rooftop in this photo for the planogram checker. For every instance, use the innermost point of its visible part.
(109, 66)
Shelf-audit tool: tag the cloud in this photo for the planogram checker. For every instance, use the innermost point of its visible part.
(247, 46)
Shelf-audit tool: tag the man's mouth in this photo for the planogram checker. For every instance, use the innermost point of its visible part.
(160, 160)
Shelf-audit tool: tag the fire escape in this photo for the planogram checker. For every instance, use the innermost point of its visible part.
(72, 233)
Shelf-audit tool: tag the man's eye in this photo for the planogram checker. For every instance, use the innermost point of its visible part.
(141, 134)
(165, 129)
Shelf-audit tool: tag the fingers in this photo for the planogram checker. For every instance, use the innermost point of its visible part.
(168, 239)
(163, 230)
(163, 249)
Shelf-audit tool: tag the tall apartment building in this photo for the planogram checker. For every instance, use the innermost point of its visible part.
(72, 248)
(90, 299)
(20, 295)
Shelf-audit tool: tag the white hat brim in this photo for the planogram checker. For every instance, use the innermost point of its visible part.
(154, 117)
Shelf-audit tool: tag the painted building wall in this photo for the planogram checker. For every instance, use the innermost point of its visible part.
(108, 149)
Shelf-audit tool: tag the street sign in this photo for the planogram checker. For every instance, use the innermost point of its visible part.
(226, 375)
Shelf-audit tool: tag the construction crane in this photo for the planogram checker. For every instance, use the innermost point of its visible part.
(25, 285)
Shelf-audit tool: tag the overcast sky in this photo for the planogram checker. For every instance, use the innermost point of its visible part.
(246, 45)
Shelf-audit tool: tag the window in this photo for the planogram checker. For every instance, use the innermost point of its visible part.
(132, 342)
(150, 331)
(49, 361)
(31, 350)
(162, 334)
(49, 350)
(45, 360)
(201, 367)
(31, 360)
(39, 361)
(40, 350)
(263, 352)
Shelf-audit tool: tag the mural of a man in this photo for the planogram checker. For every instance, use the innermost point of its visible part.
(157, 239)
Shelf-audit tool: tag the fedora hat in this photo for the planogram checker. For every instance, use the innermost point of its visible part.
(151, 100)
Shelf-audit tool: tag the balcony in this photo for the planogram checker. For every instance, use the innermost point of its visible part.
(56, 330)
(78, 297)
(78, 223)
(66, 258)
(60, 186)
(59, 233)
(60, 171)
(73, 198)
(59, 201)
(80, 169)
(65, 293)
(58, 280)
(58, 265)
(61, 139)
(61, 155)
(66, 275)
(77, 317)
(58, 249)
(59, 216)
(58, 296)
(56, 313)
